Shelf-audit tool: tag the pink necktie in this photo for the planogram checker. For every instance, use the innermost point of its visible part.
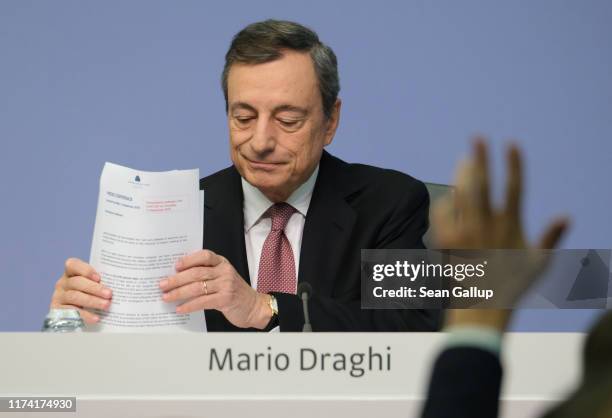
(276, 265)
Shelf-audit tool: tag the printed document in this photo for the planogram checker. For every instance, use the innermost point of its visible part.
(145, 221)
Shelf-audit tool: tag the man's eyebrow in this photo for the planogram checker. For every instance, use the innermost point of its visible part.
(281, 108)
(242, 105)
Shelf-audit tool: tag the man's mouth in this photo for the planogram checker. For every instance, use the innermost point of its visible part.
(263, 165)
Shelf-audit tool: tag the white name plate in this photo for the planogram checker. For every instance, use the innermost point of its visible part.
(277, 365)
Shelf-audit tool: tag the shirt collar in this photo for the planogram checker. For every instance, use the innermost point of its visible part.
(256, 203)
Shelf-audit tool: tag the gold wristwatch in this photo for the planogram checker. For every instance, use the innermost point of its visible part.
(273, 304)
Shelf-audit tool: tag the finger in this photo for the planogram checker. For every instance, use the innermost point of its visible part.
(553, 233)
(88, 317)
(199, 258)
(466, 194)
(514, 186)
(482, 183)
(184, 277)
(76, 267)
(191, 290)
(200, 303)
(83, 300)
(86, 285)
(443, 221)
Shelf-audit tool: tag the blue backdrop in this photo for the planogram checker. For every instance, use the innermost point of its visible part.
(137, 83)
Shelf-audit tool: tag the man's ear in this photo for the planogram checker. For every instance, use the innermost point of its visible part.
(332, 122)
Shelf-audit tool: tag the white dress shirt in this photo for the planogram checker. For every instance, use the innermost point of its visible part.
(257, 222)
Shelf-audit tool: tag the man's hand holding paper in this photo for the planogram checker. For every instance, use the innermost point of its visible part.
(209, 281)
(80, 287)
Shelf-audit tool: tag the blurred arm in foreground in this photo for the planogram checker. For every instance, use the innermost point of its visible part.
(466, 378)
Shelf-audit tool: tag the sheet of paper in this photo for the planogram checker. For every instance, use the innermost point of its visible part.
(144, 222)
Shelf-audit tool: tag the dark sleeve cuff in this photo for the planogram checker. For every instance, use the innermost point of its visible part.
(272, 324)
(465, 382)
(290, 312)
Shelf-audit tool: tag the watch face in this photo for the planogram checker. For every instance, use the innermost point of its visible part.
(273, 305)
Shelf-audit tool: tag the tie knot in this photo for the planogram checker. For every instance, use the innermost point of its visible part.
(280, 213)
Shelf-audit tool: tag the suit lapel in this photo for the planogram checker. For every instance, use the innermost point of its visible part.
(327, 230)
(224, 220)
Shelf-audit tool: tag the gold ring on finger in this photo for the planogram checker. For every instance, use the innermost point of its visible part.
(205, 286)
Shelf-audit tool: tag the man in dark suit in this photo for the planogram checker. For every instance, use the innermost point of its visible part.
(286, 211)
(346, 214)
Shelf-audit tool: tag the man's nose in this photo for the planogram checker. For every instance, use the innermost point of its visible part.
(264, 137)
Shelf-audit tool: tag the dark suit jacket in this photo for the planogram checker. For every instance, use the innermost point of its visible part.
(353, 206)
(465, 383)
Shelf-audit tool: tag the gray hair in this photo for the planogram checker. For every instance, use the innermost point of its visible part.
(262, 42)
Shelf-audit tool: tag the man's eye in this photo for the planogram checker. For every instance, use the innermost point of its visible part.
(243, 119)
(289, 123)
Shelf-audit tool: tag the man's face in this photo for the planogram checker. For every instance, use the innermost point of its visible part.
(276, 123)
